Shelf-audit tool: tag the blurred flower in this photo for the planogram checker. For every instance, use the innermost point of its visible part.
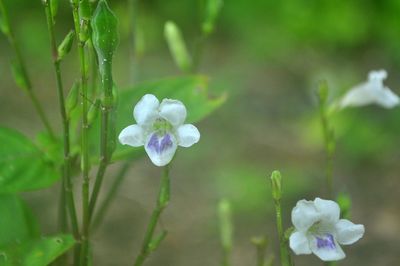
(371, 92)
(159, 128)
(318, 230)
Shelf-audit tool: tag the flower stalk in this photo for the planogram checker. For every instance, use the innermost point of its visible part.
(276, 195)
(81, 29)
(20, 72)
(226, 230)
(67, 183)
(328, 135)
(149, 243)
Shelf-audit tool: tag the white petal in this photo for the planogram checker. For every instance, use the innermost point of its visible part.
(359, 95)
(386, 98)
(146, 110)
(173, 111)
(188, 135)
(328, 209)
(132, 136)
(326, 247)
(304, 215)
(347, 233)
(299, 243)
(379, 75)
(161, 149)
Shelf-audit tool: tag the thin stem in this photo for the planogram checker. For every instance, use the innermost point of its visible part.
(284, 252)
(162, 202)
(329, 143)
(67, 183)
(32, 96)
(111, 193)
(84, 126)
(107, 138)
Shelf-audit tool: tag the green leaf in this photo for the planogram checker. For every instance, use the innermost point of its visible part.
(23, 166)
(191, 90)
(36, 252)
(17, 223)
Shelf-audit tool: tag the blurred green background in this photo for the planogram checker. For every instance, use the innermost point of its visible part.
(268, 56)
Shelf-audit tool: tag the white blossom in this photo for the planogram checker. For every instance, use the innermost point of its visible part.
(159, 128)
(319, 230)
(371, 92)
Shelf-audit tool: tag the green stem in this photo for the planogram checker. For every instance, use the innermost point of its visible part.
(67, 183)
(284, 252)
(111, 193)
(84, 255)
(32, 96)
(162, 202)
(107, 137)
(329, 149)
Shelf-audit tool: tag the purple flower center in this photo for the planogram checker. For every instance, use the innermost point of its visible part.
(326, 241)
(159, 144)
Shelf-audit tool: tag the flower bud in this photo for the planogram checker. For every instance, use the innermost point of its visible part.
(177, 46)
(72, 98)
(84, 32)
(105, 33)
(276, 185)
(65, 47)
(212, 10)
(54, 9)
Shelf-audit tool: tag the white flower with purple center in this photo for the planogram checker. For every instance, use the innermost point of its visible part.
(371, 92)
(159, 128)
(319, 230)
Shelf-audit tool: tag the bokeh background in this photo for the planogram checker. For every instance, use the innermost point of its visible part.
(267, 56)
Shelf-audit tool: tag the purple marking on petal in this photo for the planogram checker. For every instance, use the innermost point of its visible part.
(326, 242)
(159, 145)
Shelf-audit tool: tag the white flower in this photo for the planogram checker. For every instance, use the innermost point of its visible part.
(318, 230)
(159, 128)
(371, 92)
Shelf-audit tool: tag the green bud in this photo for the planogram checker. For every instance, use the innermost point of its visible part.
(72, 98)
(84, 10)
(20, 77)
(54, 8)
(65, 47)
(276, 185)
(177, 46)
(259, 241)
(212, 10)
(93, 112)
(105, 33)
(225, 223)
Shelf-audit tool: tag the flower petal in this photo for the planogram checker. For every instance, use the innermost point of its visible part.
(386, 98)
(161, 148)
(304, 215)
(329, 210)
(377, 75)
(146, 110)
(326, 247)
(359, 95)
(132, 135)
(173, 111)
(188, 135)
(299, 243)
(347, 233)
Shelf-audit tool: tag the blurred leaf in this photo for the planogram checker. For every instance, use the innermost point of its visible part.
(23, 166)
(37, 252)
(16, 223)
(191, 90)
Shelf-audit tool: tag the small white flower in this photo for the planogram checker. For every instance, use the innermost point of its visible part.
(319, 230)
(371, 92)
(159, 128)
